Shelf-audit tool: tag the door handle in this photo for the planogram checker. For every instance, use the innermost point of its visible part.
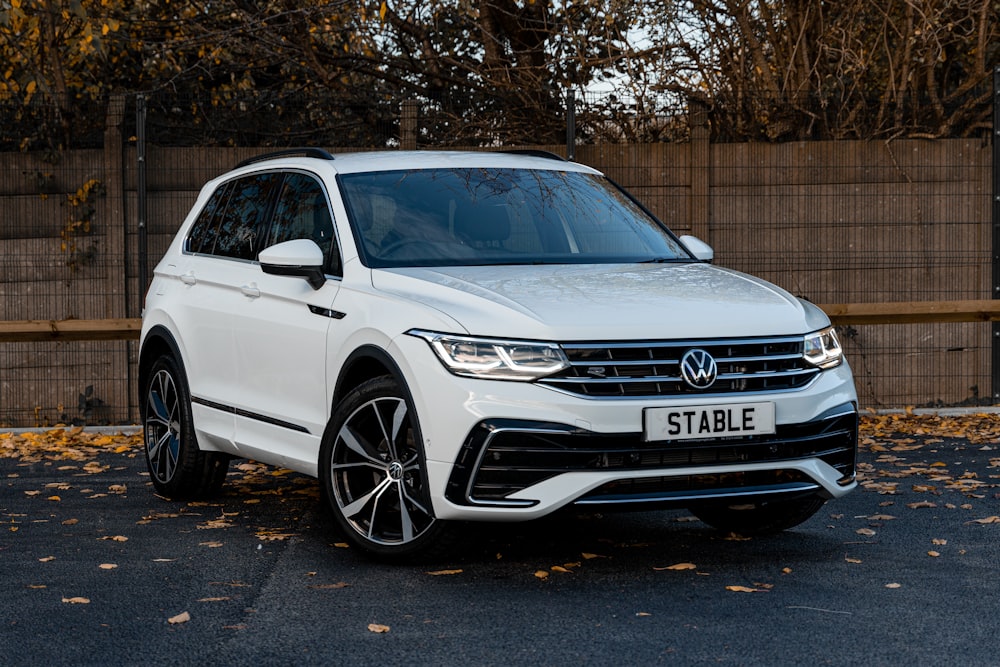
(188, 278)
(251, 290)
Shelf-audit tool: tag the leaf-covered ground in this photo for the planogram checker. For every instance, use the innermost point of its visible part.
(91, 559)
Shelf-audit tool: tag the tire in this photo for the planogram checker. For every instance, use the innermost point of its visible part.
(374, 475)
(763, 518)
(177, 467)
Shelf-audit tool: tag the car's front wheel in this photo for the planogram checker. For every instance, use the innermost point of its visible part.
(762, 518)
(374, 475)
(178, 468)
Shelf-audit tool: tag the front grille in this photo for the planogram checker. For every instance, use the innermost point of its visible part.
(647, 369)
(502, 457)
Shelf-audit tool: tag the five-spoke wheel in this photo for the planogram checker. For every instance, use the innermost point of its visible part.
(177, 467)
(374, 473)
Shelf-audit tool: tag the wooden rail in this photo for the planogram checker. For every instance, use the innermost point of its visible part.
(28, 331)
(908, 312)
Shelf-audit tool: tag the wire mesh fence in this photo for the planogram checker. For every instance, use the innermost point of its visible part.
(831, 221)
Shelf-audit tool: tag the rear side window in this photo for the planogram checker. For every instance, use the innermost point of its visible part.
(206, 228)
(244, 222)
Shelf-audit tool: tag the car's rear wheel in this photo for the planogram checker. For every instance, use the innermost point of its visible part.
(177, 467)
(374, 474)
(761, 518)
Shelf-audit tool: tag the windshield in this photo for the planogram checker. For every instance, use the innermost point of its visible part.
(477, 216)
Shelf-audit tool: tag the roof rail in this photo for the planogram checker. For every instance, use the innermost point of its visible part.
(317, 153)
(534, 152)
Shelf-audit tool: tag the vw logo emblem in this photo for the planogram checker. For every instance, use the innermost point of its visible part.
(698, 369)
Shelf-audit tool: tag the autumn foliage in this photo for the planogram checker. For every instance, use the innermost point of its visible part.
(501, 69)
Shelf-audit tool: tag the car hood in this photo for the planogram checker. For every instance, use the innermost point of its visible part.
(603, 302)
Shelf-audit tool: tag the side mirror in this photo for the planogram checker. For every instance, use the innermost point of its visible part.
(300, 257)
(701, 250)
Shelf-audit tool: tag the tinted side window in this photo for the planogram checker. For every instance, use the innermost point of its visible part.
(302, 213)
(206, 228)
(244, 223)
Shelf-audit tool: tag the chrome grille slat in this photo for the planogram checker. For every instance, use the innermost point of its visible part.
(635, 369)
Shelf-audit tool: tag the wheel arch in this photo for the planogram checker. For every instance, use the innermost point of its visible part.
(156, 343)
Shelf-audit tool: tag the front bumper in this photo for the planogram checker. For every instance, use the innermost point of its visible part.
(518, 465)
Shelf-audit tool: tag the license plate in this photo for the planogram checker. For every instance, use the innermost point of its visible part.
(708, 421)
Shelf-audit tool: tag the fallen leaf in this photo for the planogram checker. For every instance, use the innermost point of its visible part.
(542, 574)
(439, 573)
(182, 617)
(107, 566)
(642, 613)
(881, 517)
(76, 600)
(853, 560)
(560, 568)
(933, 554)
(894, 585)
(210, 545)
(587, 556)
(70, 522)
(678, 567)
(989, 519)
(786, 570)
(325, 587)
(868, 532)
(47, 559)
(745, 589)
(54, 498)
(378, 629)
(114, 538)
(222, 599)
(921, 504)
(939, 542)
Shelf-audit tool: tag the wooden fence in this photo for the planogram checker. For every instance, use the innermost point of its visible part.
(879, 228)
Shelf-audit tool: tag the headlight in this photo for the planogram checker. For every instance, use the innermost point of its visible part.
(493, 358)
(822, 349)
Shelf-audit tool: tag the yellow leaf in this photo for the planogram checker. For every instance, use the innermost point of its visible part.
(587, 556)
(76, 600)
(107, 566)
(744, 589)
(378, 629)
(439, 573)
(677, 567)
(182, 617)
(382, 10)
(542, 574)
(30, 88)
(54, 498)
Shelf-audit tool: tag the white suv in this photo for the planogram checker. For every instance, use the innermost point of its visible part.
(444, 336)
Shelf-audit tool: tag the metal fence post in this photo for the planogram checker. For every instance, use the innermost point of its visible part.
(995, 219)
(140, 141)
(571, 125)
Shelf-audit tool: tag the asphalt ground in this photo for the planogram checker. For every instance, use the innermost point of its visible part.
(97, 570)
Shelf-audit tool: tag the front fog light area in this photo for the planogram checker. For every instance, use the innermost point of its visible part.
(822, 349)
(495, 359)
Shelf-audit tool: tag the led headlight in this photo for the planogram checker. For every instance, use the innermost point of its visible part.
(822, 349)
(493, 358)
